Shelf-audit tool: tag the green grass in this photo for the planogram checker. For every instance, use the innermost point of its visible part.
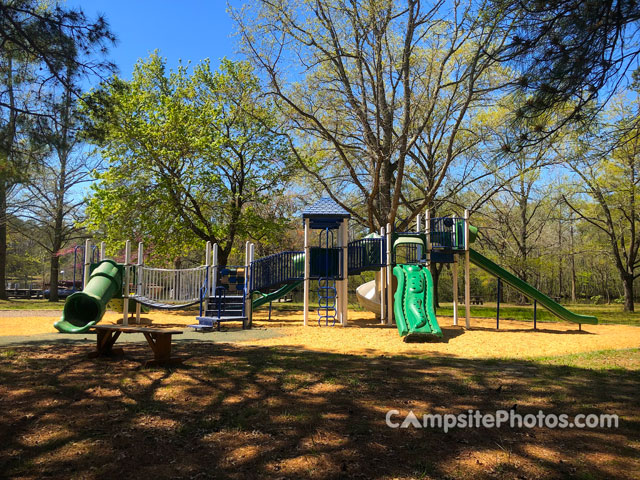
(606, 314)
(627, 359)
(31, 304)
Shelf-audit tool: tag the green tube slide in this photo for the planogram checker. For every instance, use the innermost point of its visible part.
(84, 309)
(526, 289)
(413, 304)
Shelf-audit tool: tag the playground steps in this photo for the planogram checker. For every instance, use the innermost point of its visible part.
(229, 308)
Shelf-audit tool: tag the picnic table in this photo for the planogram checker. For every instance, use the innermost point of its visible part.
(473, 300)
(159, 339)
(477, 300)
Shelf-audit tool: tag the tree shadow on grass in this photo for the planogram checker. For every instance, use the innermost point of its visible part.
(245, 413)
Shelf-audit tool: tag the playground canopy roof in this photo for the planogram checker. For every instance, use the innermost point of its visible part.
(325, 213)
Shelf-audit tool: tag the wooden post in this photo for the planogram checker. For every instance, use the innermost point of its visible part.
(383, 280)
(208, 274)
(467, 282)
(345, 272)
(213, 281)
(307, 271)
(389, 278)
(455, 288)
(498, 304)
(247, 280)
(139, 279)
(428, 234)
(419, 251)
(247, 249)
(103, 250)
(125, 286)
(340, 283)
(87, 263)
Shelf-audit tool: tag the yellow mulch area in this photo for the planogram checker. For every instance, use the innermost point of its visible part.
(39, 324)
(513, 340)
(366, 336)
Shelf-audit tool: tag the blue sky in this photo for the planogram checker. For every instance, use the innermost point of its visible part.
(179, 29)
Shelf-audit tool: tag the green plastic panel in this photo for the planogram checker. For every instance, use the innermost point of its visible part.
(413, 303)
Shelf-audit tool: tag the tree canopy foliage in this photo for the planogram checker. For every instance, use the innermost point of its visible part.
(378, 89)
(190, 156)
(567, 54)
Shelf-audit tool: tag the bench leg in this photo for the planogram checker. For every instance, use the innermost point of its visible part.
(104, 344)
(160, 343)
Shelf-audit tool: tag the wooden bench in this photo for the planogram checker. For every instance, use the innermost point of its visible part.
(159, 340)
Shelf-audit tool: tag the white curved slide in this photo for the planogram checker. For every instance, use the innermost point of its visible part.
(369, 297)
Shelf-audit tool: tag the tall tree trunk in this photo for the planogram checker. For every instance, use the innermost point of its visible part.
(61, 190)
(384, 197)
(3, 241)
(223, 255)
(627, 282)
(559, 259)
(572, 259)
(523, 206)
(53, 277)
(5, 182)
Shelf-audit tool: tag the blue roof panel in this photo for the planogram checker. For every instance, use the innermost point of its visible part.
(325, 208)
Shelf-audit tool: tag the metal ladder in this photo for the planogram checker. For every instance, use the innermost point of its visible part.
(327, 292)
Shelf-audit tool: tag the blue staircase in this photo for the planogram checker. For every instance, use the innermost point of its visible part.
(222, 308)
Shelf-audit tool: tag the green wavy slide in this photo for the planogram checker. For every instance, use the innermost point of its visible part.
(526, 289)
(413, 304)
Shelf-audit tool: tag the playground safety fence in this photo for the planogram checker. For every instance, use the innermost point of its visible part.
(276, 269)
(366, 254)
(447, 232)
(165, 285)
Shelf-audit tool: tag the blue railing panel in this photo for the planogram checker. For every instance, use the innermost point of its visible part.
(408, 253)
(444, 233)
(277, 269)
(367, 254)
(325, 263)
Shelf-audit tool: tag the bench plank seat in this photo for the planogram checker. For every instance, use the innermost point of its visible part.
(159, 339)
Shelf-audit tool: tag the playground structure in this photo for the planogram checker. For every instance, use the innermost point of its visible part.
(402, 290)
(32, 289)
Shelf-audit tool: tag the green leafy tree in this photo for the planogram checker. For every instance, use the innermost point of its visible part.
(52, 198)
(39, 42)
(191, 158)
(606, 163)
